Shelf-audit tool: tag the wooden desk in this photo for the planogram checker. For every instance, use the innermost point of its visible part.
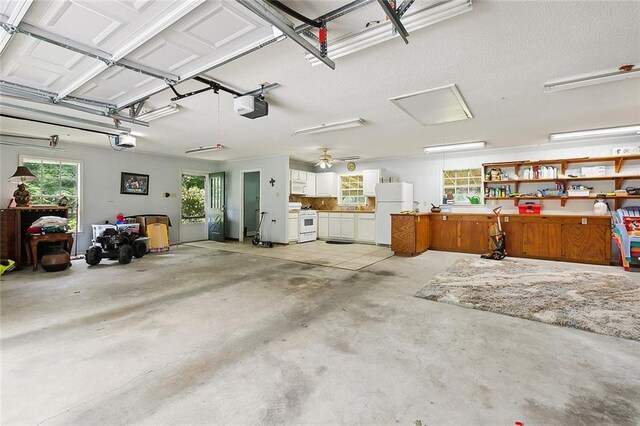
(34, 239)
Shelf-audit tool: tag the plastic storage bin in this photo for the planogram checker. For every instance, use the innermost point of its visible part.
(529, 208)
(578, 192)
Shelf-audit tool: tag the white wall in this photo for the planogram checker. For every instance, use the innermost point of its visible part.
(426, 172)
(101, 198)
(274, 199)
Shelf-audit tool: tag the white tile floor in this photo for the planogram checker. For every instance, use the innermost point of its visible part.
(344, 256)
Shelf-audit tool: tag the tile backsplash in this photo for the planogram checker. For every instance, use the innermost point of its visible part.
(328, 203)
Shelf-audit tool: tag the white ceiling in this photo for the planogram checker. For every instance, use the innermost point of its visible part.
(499, 55)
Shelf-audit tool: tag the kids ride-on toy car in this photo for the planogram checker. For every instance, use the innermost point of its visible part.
(115, 242)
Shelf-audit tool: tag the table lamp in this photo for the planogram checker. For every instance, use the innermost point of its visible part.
(21, 195)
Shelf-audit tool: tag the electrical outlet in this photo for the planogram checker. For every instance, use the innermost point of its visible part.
(506, 219)
(584, 220)
(444, 217)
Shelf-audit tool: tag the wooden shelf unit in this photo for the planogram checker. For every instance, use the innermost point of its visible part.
(617, 179)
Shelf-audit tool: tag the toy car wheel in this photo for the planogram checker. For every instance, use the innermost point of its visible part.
(125, 254)
(255, 241)
(139, 249)
(93, 256)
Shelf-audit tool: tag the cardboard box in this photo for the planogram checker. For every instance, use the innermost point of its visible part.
(147, 220)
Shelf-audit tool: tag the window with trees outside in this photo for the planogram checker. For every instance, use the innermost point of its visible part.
(193, 198)
(352, 190)
(461, 186)
(55, 179)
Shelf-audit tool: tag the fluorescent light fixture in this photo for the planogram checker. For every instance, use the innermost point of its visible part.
(330, 127)
(596, 133)
(434, 106)
(157, 113)
(415, 19)
(592, 80)
(465, 146)
(216, 147)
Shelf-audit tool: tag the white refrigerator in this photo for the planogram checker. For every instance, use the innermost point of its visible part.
(390, 198)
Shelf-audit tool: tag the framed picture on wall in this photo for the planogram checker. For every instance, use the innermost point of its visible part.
(134, 183)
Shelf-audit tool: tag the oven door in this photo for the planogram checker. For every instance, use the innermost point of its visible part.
(307, 224)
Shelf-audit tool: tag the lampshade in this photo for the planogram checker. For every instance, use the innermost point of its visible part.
(22, 174)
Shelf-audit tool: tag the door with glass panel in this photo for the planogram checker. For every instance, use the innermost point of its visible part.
(193, 225)
(217, 207)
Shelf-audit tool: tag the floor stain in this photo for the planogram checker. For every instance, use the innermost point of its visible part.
(613, 405)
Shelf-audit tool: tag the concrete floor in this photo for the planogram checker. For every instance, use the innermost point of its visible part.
(202, 336)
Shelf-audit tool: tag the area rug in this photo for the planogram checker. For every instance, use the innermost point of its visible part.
(605, 303)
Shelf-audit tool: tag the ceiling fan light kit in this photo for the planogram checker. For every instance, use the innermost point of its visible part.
(465, 146)
(625, 72)
(608, 132)
(330, 127)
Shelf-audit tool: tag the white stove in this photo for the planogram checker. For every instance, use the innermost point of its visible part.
(307, 226)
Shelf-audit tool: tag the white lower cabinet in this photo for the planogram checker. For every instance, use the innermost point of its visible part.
(323, 225)
(293, 226)
(366, 227)
(358, 227)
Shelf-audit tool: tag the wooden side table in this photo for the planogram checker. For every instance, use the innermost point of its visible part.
(34, 239)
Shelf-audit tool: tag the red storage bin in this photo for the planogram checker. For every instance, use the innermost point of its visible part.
(529, 208)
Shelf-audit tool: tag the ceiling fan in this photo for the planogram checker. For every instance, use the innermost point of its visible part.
(326, 160)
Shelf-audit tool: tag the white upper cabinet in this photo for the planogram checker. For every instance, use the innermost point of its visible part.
(370, 178)
(311, 184)
(326, 184)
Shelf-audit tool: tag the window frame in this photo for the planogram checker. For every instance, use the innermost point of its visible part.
(341, 197)
(52, 160)
(480, 193)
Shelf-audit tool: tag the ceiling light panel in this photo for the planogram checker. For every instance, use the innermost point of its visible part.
(434, 106)
(330, 127)
(592, 80)
(465, 146)
(609, 132)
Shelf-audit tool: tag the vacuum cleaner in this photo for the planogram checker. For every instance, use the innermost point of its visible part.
(498, 239)
(256, 241)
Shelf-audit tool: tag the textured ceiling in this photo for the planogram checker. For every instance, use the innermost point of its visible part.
(499, 55)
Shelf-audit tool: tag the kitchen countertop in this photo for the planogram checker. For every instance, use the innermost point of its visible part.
(346, 211)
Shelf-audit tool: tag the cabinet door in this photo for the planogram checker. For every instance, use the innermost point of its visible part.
(541, 239)
(473, 236)
(444, 233)
(323, 227)
(10, 236)
(310, 190)
(293, 174)
(369, 180)
(326, 184)
(335, 227)
(302, 176)
(348, 227)
(513, 237)
(293, 229)
(365, 229)
(586, 243)
(403, 234)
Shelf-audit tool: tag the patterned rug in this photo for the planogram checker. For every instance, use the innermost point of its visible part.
(605, 303)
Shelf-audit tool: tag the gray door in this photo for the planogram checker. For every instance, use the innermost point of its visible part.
(216, 212)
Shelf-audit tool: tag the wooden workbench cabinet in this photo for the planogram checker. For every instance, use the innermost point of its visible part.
(572, 238)
(409, 233)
